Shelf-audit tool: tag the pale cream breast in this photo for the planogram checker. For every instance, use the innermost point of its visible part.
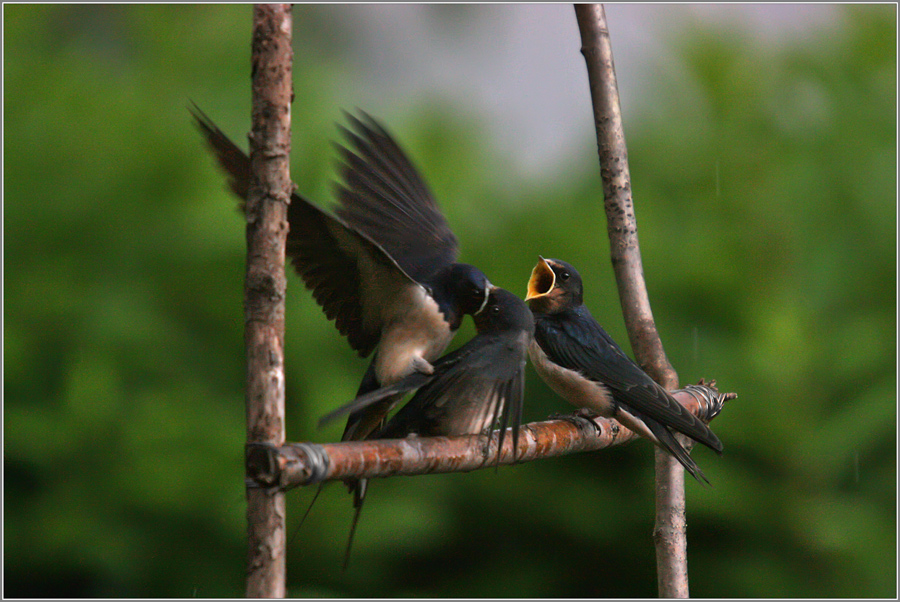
(570, 385)
(415, 335)
(583, 393)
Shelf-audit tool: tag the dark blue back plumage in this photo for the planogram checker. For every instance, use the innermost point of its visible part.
(581, 362)
(573, 339)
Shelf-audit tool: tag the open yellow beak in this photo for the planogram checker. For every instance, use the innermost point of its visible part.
(542, 281)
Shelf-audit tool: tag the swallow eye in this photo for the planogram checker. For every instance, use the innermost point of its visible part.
(564, 276)
(495, 310)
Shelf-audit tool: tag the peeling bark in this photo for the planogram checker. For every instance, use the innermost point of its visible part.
(267, 226)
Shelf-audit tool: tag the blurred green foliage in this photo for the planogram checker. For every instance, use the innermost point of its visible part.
(765, 183)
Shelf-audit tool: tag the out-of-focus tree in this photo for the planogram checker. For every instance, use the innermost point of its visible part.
(765, 184)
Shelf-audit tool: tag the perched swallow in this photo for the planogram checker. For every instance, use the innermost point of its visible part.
(471, 390)
(581, 363)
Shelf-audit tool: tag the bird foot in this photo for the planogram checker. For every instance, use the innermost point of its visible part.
(582, 417)
(486, 447)
(421, 365)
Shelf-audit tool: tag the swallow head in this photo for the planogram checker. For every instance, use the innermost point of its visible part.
(470, 288)
(554, 286)
(503, 312)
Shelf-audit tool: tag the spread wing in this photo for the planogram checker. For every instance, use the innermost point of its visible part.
(582, 345)
(353, 278)
(472, 389)
(479, 386)
(384, 196)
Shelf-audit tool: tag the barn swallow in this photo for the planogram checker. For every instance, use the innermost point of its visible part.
(384, 268)
(403, 294)
(581, 363)
(384, 197)
(470, 390)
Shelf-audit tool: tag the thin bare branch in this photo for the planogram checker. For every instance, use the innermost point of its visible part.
(670, 531)
(620, 218)
(295, 464)
(264, 287)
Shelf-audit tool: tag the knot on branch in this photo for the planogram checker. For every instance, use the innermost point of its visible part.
(264, 288)
(312, 460)
(285, 467)
(708, 397)
(261, 461)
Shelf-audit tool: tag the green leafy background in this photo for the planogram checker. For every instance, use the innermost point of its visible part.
(765, 186)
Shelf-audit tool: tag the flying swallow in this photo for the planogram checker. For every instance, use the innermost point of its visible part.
(384, 197)
(581, 363)
(402, 293)
(384, 268)
(470, 390)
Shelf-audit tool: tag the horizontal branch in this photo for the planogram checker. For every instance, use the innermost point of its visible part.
(296, 464)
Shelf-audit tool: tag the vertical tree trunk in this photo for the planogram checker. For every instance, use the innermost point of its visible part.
(669, 533)
(267, 203)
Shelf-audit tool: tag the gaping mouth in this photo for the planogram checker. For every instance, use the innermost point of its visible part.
(542, 280)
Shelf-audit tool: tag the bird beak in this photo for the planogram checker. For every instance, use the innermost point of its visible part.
(488, 287)
(542, 281)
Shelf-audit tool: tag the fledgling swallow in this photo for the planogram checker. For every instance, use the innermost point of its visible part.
(581, 363)
(471, 390)
(384, 268)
